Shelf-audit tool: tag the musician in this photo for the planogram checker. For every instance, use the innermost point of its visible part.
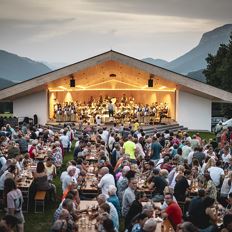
(124, 99)
(111, 109)
(73, 113)
(164, 111)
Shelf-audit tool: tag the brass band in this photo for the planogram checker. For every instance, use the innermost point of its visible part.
(110, 109)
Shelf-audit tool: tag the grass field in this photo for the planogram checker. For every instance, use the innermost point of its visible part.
(204, 135)
(38, 222)
(6, 115)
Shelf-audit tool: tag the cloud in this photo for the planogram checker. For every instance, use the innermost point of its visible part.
(80, 28)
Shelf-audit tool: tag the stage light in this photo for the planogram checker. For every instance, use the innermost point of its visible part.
(72, 82)
(113, 75)
(150, 83)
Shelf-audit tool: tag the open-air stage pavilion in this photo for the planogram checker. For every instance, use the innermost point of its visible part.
(115, 75)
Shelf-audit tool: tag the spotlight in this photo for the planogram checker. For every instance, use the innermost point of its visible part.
(113, 75)
(72, 82)
(150, 83)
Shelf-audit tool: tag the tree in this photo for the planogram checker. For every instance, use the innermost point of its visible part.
(218, 72)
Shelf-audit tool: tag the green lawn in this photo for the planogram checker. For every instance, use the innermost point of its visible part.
(204, 135)
(6, 115)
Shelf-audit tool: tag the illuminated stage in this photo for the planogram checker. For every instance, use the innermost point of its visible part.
(111, 81)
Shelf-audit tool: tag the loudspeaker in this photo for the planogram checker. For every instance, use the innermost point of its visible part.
(150, 83)
(72, 83)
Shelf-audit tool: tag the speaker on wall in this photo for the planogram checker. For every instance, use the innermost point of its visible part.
(150, 83)
(72, 83)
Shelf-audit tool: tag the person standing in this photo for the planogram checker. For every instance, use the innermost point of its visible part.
(111, 109)
(129, 148)
(106, 180)
(65, 141)
(14, 200)
(155, 149)
(129, 196)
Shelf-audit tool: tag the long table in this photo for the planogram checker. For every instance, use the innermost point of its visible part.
(24, 184)
(85, 224)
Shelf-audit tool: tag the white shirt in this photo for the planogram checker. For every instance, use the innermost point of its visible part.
(190, 157)
(215, 174)
(65, 140)
(111, 142)
(3, 178)
(226, 158)
(105, 136)
(67, 180)
(105, 182)
(63, 175)
(2, 161)
(225, 189)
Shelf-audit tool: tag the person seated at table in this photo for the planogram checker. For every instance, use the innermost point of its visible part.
(10, 221)
(135, 209)
(57, 157)
(101, 199)
(229, 204)
(187, 227)
(138, 222)
(173, 211)
(227, 223)
(166, 163)
(14, 202)
(26, 161)
(9, 173)
(225, 189)
(41, 181)
(105, 208)
(182, 185)
(208, 219)
(113, 198)
(59, 226)
(196, 209)
(150, 225)
(65, 215)
(211, 189)
(157, 184)
(108, 225)
(147, 169)
(65, 204)
(100, 219)
(216, 173)
(50, 169)
(32, 150)
(148, 209)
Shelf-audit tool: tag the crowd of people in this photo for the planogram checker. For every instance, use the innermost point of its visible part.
(144, 182)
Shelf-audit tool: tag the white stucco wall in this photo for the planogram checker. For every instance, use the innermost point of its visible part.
(32, 104)
(193, 111)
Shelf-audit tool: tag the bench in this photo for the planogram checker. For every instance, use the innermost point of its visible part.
(39, 199)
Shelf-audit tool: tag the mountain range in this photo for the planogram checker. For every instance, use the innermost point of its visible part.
(14, 68)
(193, 62)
